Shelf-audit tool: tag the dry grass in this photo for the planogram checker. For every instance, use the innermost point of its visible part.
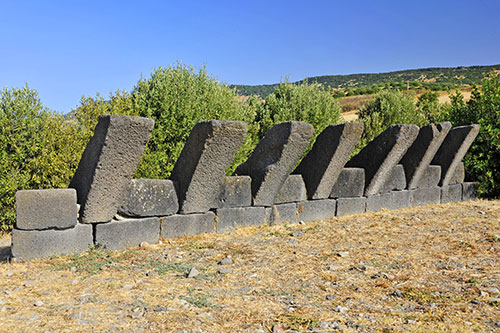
(419, 269)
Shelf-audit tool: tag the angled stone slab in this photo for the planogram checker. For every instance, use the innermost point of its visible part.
(422, 151)
(350, 183)
(350, 206)
(396, 180)
(314, 210)
(293, 190)
(380, 156)
(274, 158)
(149, 197)
(281, 213)
(451, 193)
(235, 191)
(187, 225)
(117, 235)
(431, 177)
(201, 167)
(453, 150)
(229, 218)
(322, 165)
(107, 165)
(458, 175)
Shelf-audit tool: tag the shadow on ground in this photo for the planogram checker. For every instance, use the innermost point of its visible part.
(4, 249)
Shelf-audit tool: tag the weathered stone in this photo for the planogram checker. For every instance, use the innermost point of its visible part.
(107, 165)
(396, 180)
(293, 190)
(391, 200)
(150, 197)
(313, 210)
(117, 235)
(274, 158)
(380, 156)
(350, 206)
(201, 167)
(451, 193)
(187, 225)
(431, 177)
(458, 175)
(453, 150)
(322, 165)
(229, 218)
(425, 196)
(350, 183)
(469, 191)
(235, 191)
(281, 213)
(422, 151)
(46, 209)
(39, 244)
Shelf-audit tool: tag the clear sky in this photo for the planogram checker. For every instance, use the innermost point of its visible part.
(66, 49)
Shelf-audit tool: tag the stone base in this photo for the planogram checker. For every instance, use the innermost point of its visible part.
(425, 196)
(314, 210)
(235, 191)
(351, 183)
(229, 218)
(451, 193)
(118, 235)
(281, 213)
(391, 200)
(469, 191)
(293, 190)
(187, 225)
(350, 206)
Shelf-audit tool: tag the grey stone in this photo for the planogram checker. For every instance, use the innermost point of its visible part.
(281, 213)
(451, 193)
(350, 206)
(274, 158)
(193, 272)
(117, 235)
(350, 183)
(469, 191)
(235, 191)
(458, 175)
(422, 151)
(46, 209)
(379, 157)
(187, 225)
(425, 196)
(313, 210)
(107, 165)
(453, 150)
(150, 197)
(36, 244)
(293, 190)
(229, 218)
(226, 261)
(322, 165)
(431, 177)
(396, 180)
(201, 167)
(391, 200)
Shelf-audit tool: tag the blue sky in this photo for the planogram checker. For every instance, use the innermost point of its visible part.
(67, 49)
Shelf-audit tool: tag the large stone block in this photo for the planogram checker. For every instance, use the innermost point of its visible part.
(350, 183)
(187, 225)
(107, 165)
(201, 167)
(281, 213)
(425, 196)
(322, 165)
(314, 210)
(396, 180)
(39, 244)
(229, 218)
(422, 151)
(458, 175)
(350, 206)
(235, 191)
(391, 200)
(431, 177)
(117, 235)
(469, 191)
(293, 190)
(274, 158)
(379, 157)
(46, 209)
(453, 150)
(150, 197)
(451, 193)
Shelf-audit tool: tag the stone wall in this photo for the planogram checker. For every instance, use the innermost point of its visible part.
(404, 166)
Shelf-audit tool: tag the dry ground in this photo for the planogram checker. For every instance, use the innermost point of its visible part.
(434, 268)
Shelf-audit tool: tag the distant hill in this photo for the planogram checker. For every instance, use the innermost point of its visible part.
(438, 78)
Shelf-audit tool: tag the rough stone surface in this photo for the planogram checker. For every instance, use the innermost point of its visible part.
(314, 210)
(235, 191)
(458, 175)
(150, 197)
(274, 159)
(350, 206)
(201, 167)
(46, 209)
(322, 165)
(350, 183)
(396, 180)
(451, 193)
(229, 218)
(107, 165)
(293, 190)
(36, 244)
(453, 150)
(425, 196)
(422, 151)
(379, 157)
(431, 177)
(117, 235)
(281, 213)
(391, 200)
(187, 225)
(469, 191)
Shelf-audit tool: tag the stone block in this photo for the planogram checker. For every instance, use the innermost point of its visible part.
(458, 175)
(39, 244)
(314, 210)
(201, 167)
(293, 190)
(469, 191)
(396, 180)
(281, 213)
(453, 150)
(350, 206)
(451, 193)
(431, 177)
(149, 197)
(322, 165)
(235, 191)
(425, 196)
(118, 235)
(229, 218)
(274, 158)
(381, 155)
(350, 183)
(391, 200)
(187, 225)
(422, 151)
(46, 209)
(107, 165)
